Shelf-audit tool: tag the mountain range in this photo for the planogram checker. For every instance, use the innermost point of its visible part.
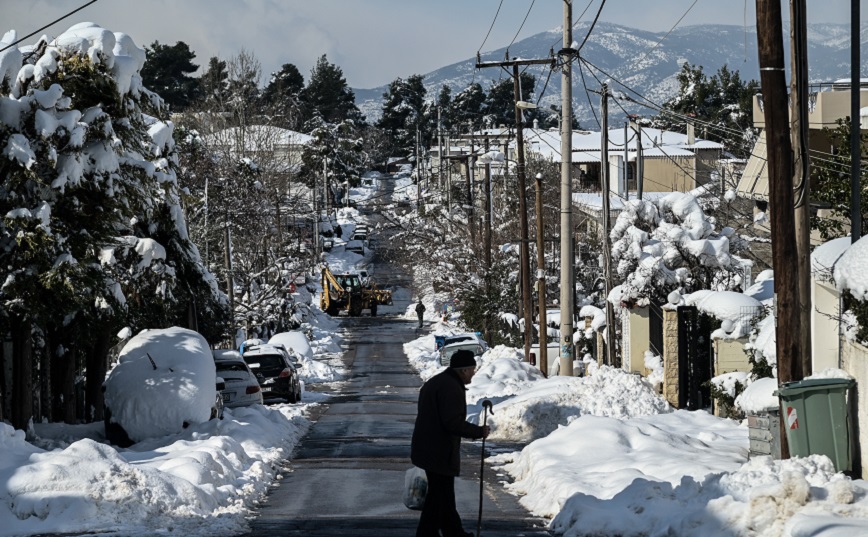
(636, 62)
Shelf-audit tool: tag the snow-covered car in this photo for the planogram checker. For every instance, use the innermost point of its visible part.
(165, 380)
(277, 372)
(241, 387)
(469, 341)
(465, 337)
(294, 342)
(355, 246)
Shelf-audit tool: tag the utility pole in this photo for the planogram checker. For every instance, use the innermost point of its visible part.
(801, 171)
(607, 251)
(524, 260)
(439, 151)
(418, 173)
(227, 259)
(786, 287)
(541, 279)
(470, 218)
(449, 176)
(855, 125)
(488, 208)
(640, 161)
(567, 288)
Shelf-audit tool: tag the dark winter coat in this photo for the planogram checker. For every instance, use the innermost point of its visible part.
(440, 425)
(420, 308)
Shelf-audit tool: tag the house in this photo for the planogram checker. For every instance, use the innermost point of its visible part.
(276, 149)
(824, 110)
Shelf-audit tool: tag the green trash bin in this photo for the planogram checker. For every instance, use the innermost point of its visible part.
(817, 419)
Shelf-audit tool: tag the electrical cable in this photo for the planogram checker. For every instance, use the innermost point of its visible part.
(71, 13)
(491, 27)
(591, 29)
(652, 49)
(522, 26)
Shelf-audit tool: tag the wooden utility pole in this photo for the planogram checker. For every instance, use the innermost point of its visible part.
(227, 258)
(801, 170)
(774, 95)
(567, 287)
(541, 279)
(524, 259)
(470, 158)
(605, 181)
(488, 209)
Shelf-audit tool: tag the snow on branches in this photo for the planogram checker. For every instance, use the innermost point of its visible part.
(667, 245)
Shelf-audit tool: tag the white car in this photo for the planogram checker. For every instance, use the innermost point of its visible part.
(355, 246)
(241, 385)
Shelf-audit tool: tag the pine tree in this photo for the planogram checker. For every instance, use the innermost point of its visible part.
(168, 71)
(328, 96)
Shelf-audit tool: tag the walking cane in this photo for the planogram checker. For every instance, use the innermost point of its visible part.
(486, 405)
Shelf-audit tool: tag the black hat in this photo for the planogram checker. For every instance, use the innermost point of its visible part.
(462, 358)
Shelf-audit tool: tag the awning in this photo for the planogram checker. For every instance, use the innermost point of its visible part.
(754, 183)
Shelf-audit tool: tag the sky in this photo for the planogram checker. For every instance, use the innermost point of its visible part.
(372, 41)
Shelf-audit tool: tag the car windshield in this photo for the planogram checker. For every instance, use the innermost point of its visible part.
(268, 365)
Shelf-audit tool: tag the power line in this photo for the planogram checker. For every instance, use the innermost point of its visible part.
(591, 29)
(490, 28)
(71, 13)
(520, 27)
(652, 49)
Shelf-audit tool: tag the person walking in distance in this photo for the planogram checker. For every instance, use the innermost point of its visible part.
(420, 310)
(441, 422)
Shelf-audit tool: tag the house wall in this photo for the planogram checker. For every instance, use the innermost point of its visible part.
(707, 161)
(637, 343)
(825, 345)
(855, 362)
(674, 174)
(670, 356)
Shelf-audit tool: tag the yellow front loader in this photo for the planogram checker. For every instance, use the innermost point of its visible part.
(345, 292)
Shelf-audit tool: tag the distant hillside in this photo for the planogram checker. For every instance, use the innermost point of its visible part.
(629, 56)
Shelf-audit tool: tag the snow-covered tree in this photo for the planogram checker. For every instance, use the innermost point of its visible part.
(89, 171)
(671, 245)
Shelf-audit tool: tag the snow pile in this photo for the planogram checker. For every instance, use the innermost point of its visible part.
(824, 257)
(759, 396)
(202, 481)
(546, 404)
(501, 373)
(849, 271)
(164, 380)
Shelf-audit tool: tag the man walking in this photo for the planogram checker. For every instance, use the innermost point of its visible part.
(435, 448)
(420, 309)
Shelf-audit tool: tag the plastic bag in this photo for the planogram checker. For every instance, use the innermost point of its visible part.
(415, 488)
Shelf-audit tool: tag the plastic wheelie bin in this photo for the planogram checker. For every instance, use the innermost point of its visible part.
(818, 420)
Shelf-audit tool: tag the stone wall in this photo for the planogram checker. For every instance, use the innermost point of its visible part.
(670, 356)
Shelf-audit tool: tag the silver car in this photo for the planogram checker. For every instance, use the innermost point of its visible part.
(241, 385)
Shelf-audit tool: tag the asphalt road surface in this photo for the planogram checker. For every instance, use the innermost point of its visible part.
(347, 475)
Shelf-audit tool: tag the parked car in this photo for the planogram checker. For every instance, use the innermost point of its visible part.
(165, 380)
(241, 387)
(276, 370)
(468, 341)
(355, 246)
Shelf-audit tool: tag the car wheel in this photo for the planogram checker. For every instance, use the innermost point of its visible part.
(291, 397)
(374, 310)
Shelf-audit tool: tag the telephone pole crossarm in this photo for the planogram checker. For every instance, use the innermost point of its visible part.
(510, 63)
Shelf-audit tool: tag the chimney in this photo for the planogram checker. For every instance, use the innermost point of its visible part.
(536, 124)
(691, 135)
